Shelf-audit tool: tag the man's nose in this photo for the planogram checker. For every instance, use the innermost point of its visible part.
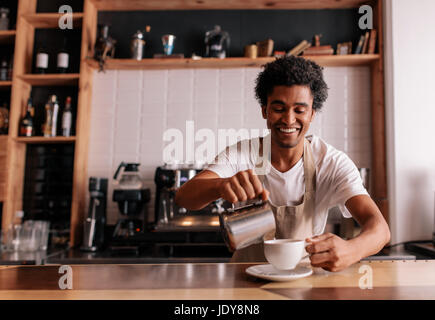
(289, 117)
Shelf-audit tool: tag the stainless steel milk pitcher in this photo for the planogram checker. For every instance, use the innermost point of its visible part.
(246, 223)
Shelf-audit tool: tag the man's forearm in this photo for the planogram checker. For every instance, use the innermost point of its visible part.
(197, 193)
(374, 236)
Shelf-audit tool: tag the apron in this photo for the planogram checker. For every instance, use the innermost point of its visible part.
(292, 222)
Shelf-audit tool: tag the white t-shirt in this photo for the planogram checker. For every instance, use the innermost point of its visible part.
(337, 178)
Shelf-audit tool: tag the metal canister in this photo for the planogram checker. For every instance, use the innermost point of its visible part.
(246, 224)
(137, 45)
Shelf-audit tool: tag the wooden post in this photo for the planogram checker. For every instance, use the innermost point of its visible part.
(16, 156)
(80, 185)
(379, 162)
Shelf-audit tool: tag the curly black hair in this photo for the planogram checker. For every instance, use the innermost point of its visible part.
(288, 71)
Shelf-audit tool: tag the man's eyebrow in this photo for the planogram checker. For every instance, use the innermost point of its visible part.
(277, 102)
(303, 104)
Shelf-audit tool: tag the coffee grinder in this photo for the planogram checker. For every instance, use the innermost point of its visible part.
(131, 197)
(93, 236)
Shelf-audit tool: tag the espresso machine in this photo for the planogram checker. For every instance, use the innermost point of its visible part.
(169, 216)
(131, 198)
(93, 236)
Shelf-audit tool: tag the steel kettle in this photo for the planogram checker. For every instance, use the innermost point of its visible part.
(247, 223)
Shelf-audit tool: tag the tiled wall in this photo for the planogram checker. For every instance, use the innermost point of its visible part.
(132, 109)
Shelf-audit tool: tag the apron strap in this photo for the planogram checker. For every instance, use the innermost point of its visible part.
(308, 159)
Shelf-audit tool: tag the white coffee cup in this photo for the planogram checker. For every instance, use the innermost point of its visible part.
(284, 254)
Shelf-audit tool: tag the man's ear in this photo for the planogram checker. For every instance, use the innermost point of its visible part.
(313, 115)
(263, 112)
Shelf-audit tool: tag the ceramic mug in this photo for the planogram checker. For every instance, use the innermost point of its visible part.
(285, 254)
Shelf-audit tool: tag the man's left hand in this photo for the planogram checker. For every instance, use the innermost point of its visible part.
(331, 252)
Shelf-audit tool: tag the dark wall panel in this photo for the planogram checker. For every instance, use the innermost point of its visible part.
(286, 27)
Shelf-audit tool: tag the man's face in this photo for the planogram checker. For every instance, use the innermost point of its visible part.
(289, 112)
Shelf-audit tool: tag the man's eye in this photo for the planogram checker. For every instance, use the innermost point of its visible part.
(300, 110)
(277, 109)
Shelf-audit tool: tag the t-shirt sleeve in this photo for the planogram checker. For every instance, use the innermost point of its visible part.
(346, 182)
(224, 165)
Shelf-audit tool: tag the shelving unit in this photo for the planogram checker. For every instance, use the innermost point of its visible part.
(7, 36)
(28, 21)
(23, 81)
(51, 20)
(168, 63)
(5, 84)
(65, 79)
(44, 140)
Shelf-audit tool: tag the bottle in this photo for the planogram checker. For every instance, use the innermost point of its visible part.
(67, 118)
(4, 70)
(49, 128)
(4, 19)
(11, 64)
(41, 61)
(46, 127)
(63, 59)
(55, 108)
(26, 126)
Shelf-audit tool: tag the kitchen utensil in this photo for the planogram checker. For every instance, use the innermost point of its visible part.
(251, 51)
(269, 272)
(247, 223)
(93, 236)
(137, 45)
(168, 43)
(131, 198)
(217, 43)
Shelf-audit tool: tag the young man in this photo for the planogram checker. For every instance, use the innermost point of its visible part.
(306, 176)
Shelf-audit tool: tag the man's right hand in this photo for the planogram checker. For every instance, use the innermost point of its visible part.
(242, 186)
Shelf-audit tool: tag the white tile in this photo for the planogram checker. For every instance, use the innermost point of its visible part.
(152, 127)
(101, 128)
(205, 121)
(180, 90)
(206, 107)
(129, 80)
(155, 86)
(179, 108)
(227, 121)
(126, 147)
(334, 132)
(153, 108)
(231, 107)
(104, 81)
(151, 153)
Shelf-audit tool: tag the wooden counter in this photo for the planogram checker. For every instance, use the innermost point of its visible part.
(228, 281)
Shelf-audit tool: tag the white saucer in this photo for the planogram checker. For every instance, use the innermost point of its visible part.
(268, 272)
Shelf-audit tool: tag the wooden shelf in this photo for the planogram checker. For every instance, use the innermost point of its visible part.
(56, 79)
(7, 36)
(4, 85)
(134, 5)
(168, 63)
(43, 140)
(51, 20)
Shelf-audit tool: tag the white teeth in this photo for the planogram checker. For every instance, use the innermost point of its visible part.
(287, 130)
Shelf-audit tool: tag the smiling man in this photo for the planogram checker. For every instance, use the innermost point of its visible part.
(306, 175)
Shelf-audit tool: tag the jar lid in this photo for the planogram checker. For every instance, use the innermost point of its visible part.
(138, 35)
